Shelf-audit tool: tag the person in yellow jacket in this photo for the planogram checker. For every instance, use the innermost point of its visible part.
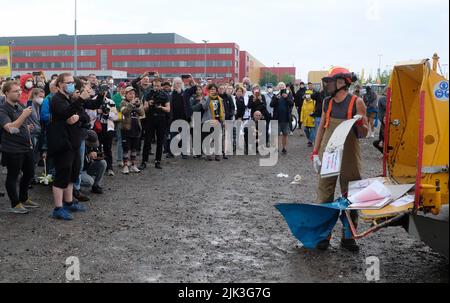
(307, 119)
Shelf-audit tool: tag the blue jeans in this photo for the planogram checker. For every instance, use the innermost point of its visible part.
(119, 141)
(310, 133)
(77, 185)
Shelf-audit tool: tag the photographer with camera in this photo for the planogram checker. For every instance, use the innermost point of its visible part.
(156, 106)
(92, 102)
(94, 164)
(132, 113)
(282, 105)
(104, 126)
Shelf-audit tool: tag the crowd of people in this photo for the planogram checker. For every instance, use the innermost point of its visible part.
(82, 129)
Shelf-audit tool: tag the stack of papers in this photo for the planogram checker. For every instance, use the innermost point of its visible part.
(375, 196)
(376, 193)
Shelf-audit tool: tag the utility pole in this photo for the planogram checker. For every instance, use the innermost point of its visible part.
(205, 42)
(11, 45)
(379, 66)
(75, 45)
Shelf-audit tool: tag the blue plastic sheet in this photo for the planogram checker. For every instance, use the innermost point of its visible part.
(312, 223)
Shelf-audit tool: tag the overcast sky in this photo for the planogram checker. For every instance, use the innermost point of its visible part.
(310, 34)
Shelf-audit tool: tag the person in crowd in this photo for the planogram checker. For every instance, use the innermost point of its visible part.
(177, 109)
(143, 86)
(27, 85)
(379, 144)
(197, 101)
(229, 108)
(34, 121)
(246, 82)
(17, 148)
(213, 111)
(92, 79)
(45, 107)
(307, 117)
(112, 88)
(104, 126)
(118, 99)
(371, 101)
(91, 104)
(282, 105)
(94, 164)
(357, 91)
(157, 106)
(132, 113)
(318, 97)
(298, 99)
(64, 139)
(339, 107)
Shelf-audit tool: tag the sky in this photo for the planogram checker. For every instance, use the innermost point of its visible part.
(307, 34)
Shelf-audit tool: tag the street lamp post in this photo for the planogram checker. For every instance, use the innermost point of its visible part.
(205, 42)
(278, 72)
(75, 45)
(11, 45)
(379, 66)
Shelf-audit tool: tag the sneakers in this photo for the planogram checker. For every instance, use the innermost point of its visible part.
(350, 245)
(19, 210)
(134, 169)
(111, 173)
(143, 166)
(80, 196)
(120, 164)
(30, 204)
(225, 157)
(74, 207)
(284, 151)
(61, 214)
(125, 170)
(158, 165)
(97, 190)
(217, 158)
(170, 156)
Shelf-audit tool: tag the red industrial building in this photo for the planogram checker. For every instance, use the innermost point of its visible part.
(132, 54)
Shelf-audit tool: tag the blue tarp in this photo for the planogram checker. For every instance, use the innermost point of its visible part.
(312, 223)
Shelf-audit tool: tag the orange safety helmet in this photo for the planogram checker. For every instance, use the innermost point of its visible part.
(340, 73)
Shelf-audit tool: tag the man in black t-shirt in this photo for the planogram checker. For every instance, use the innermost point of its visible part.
(17, 148)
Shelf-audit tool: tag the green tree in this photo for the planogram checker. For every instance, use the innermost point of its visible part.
(267, 78)
(385, 77)
(286, 78)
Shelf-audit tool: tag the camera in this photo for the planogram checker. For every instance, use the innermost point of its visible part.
(105, 109)
(159, 98)
(103, 88)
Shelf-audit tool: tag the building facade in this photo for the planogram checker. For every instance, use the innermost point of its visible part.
(130, 55)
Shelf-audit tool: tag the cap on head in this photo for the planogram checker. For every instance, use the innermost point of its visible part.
(129, 89)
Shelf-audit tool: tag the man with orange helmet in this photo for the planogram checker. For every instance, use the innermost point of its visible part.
(339, 107)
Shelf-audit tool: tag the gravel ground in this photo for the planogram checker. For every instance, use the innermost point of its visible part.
(198, 221)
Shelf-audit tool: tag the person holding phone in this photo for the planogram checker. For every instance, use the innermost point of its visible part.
(17, 148)
(282, 105)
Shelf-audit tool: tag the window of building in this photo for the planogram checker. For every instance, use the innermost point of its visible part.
(171, 51)
(53, 53)
(171, 64)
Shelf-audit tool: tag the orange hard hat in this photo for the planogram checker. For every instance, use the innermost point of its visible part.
(340, 73)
